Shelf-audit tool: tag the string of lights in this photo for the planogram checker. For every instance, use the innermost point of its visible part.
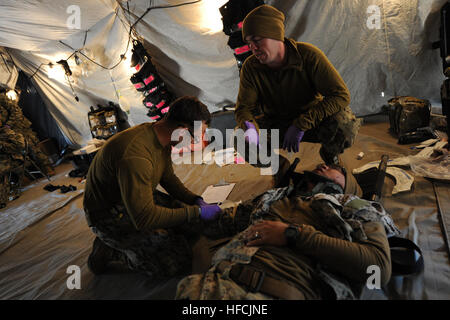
(130, 32)
(163, 7)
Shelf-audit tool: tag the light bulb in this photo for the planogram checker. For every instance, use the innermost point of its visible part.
(12, 95)
(210, 16)
(77, 60)
(56, 72)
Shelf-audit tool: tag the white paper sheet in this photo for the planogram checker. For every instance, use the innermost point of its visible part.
(217, 193)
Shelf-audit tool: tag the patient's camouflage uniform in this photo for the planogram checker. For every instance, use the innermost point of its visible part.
(340, 216)
(158, 253)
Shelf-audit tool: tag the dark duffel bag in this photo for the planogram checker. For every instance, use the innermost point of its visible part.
(407, 114)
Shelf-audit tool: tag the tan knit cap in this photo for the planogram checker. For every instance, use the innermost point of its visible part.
(264, 21)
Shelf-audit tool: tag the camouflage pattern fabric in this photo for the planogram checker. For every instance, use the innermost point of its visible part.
(15, 134)
(214, 285)
(341, 215)
(336, 134)
(12, 116)
(4, 190)
(158, 253)
(12, 145)
(4, 114)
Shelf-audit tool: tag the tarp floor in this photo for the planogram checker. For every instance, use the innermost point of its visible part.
(43, 233)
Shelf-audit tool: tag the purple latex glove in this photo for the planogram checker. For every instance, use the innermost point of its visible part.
(251, 134)
(209, 212)
(293, 138)
(200, 202)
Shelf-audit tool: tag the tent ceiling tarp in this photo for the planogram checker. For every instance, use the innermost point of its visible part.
(395, 58)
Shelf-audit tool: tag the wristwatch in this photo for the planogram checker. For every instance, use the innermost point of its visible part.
(291, 233)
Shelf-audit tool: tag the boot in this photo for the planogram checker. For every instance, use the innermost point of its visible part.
(100, 256)
(278, 178)
(329, 158)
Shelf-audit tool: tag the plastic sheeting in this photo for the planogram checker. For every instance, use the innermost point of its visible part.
(43, 233)
(30, 212)
(8, 72)
(394, 59)
(35, 110)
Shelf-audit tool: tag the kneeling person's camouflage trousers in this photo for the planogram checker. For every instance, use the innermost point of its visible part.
(335, 133)
(158, 253)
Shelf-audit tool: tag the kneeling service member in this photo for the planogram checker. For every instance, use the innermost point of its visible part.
(133, 222)
(293, 87)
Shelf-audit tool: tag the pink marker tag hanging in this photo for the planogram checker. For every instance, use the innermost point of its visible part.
(162, 103)
(165, 110)
(139, 85)
(242, 50)
(149, 79)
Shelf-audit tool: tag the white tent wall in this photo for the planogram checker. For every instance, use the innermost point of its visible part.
(105, 41)
(396, 59)
(8, 71)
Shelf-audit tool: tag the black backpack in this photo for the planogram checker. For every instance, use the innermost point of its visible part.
(407, 114)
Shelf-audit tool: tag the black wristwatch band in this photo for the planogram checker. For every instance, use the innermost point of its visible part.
(291, 233)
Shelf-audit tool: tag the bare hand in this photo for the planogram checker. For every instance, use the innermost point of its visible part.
(267, 233)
